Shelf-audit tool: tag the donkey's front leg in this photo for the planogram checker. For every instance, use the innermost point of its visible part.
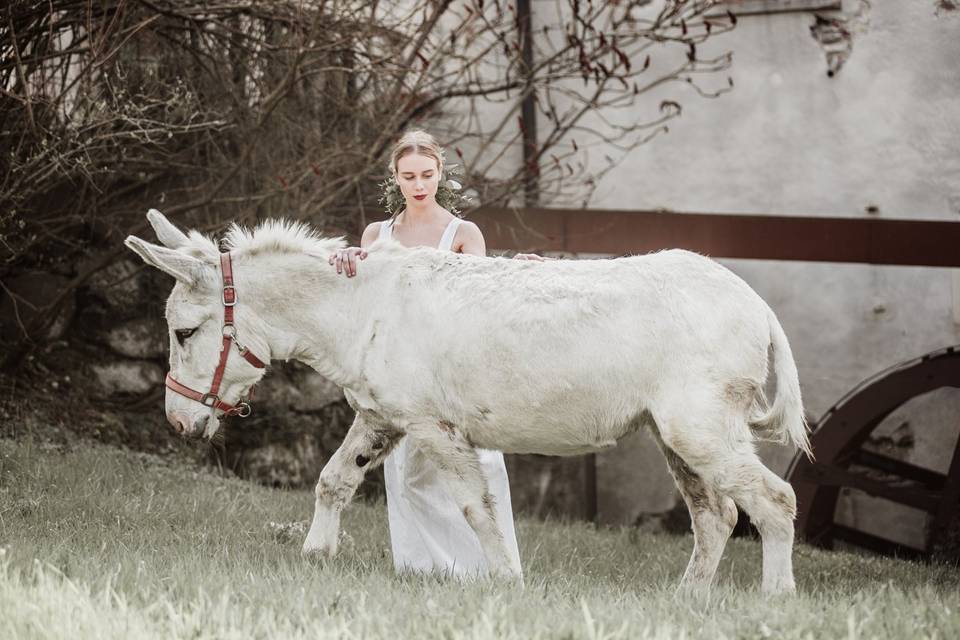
(364, 447)
(459, 467)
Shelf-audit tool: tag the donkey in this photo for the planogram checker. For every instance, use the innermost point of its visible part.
(458, 352)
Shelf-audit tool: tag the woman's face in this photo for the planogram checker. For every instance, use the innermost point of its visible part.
(419, 177)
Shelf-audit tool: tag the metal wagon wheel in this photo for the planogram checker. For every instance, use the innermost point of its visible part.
(837, 442)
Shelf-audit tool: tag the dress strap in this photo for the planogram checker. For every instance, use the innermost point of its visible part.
(446, 242)
(386, 229)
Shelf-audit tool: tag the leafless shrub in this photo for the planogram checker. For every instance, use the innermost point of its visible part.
(238, 110)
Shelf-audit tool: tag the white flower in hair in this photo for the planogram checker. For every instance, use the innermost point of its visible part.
(453, 184)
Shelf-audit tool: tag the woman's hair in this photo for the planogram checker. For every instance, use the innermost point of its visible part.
(416, 141)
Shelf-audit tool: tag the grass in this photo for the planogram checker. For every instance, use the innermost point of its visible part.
(100, 542)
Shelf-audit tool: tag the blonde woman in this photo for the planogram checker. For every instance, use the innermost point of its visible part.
(428, 532)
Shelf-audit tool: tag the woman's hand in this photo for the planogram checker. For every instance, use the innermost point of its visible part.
(530, 256)
(346, 260)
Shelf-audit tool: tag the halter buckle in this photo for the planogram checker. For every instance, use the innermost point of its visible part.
(209, 400)
(233, 295)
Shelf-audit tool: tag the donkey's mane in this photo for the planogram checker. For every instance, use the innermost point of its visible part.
(270, 236)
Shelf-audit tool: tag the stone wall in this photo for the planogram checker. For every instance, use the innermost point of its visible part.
(109, 350)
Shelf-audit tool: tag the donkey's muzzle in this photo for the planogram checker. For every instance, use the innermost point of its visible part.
(187, 425)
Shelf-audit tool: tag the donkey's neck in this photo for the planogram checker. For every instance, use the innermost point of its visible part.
(305, 311)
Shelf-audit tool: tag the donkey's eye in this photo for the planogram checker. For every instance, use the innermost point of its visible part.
(183, 334)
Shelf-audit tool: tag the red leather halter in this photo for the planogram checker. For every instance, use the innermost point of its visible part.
(210, 398)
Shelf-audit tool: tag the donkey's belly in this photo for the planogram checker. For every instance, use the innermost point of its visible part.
(555, 448)
(551, 436)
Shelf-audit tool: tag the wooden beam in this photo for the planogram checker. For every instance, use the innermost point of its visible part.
(926, 477)
(931, 243)
(528, 107)
(829, 475)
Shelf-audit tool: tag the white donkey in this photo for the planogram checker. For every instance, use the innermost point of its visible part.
(458, 351)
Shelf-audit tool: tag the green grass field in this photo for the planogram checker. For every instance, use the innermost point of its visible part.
(100, 542)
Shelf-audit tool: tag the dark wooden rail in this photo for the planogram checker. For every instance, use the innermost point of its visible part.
(870, 240)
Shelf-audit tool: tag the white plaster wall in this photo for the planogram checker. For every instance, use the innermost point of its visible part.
(884, 132)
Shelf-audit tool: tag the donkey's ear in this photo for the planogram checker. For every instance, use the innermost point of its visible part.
(168, 234)
(184, 268)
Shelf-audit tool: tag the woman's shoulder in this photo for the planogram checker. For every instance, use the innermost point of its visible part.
(469, 239)
(468, 228)
(372, 232)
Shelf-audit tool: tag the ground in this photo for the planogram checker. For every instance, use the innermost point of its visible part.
(100, 541)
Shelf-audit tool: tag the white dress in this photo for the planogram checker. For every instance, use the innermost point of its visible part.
(428, 532)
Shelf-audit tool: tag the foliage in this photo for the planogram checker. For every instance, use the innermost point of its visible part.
(98, 542)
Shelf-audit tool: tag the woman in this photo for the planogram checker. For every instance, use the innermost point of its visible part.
(428, 533)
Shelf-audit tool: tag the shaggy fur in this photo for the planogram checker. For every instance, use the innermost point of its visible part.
(459, 351)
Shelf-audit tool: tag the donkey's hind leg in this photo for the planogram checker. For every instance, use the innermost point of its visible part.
(713, 517)
(731, 467)
(770, 502)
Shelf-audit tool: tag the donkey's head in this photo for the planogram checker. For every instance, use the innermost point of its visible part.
(211, 367)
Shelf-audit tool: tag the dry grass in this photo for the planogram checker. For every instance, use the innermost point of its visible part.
(99, 542)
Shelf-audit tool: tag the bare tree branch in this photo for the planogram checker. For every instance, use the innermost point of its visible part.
(243, 109)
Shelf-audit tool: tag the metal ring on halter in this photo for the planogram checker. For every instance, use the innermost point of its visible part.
(243, 410)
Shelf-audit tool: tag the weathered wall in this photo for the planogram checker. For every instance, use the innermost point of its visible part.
(883, 132)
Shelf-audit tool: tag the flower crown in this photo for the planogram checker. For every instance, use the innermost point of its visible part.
(450, 194)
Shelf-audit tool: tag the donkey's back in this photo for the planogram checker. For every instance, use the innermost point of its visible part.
(581, 351)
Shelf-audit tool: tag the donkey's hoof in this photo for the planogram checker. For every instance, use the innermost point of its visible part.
(319, 550)
(782, 588)
(693, 590)
(507, 574)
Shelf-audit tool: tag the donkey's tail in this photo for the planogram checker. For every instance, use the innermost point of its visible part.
(785, 416)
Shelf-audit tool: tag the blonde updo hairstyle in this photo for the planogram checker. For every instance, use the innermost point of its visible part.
(416, 141)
